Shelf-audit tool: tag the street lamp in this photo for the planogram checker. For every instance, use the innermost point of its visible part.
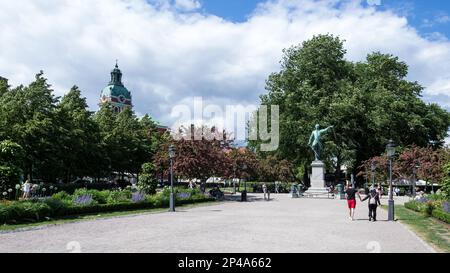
(373, 169)
(413, 191)
(234, 179)
(172, 195)
(390, 148)
(244, 194)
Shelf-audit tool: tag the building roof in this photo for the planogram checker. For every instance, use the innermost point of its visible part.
(115, 87)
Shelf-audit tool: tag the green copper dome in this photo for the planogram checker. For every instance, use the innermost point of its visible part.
(116, 93)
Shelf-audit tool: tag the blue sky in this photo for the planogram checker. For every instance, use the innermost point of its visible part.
(427, 16)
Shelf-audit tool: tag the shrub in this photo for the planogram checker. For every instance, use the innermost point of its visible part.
(441, 215)
(84, 200)
(62, 196)
(62, 204)
(147, 180)
(100, 197)
(413, 205)
(119, 197)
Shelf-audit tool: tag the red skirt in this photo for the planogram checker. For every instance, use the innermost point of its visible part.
(351, 204)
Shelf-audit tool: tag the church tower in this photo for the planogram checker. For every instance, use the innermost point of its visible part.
(116, 93)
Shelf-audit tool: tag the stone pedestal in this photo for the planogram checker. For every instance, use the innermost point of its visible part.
(317, 180)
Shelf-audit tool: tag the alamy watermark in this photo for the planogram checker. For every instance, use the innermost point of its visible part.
(242, 122)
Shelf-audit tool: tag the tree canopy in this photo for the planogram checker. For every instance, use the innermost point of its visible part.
(368, 102)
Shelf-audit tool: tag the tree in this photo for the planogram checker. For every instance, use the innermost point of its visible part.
(241, 163)
(27, 118)
(272, 169)
(11, 155)
(78, 137)
(198, 155)
(147, 179)
(368, 103)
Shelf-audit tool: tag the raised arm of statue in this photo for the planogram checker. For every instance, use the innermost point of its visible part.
(326, 130)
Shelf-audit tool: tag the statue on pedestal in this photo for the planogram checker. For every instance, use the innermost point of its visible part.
(315, 143)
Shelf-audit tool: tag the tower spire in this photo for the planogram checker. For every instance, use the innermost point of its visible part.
(116, 75)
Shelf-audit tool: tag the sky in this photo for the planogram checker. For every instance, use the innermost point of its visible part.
(171, 51)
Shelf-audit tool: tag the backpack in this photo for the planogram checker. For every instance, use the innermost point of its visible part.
(373, 199)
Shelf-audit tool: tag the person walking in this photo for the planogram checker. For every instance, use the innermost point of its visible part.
(277, 187)
(350, 195)
(374, 202)
(266, 192)
(26, 188)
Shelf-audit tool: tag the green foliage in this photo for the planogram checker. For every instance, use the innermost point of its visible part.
(57, 206)
(116, 197)
(446, 181)
(101, 197)
(61, 139)
(147, 179)
(62, 196)
(368, 103)
(11, 156)
(441, 215)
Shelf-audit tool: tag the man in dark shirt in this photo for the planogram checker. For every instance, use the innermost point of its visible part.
(350, 194)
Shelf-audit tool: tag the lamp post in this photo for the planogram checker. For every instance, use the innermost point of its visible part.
(234, 179)
(172, 195)
(373, 168)
(390, 148)
(414, 181)
(244, 194)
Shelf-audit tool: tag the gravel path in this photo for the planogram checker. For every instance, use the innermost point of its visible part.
(281, 225)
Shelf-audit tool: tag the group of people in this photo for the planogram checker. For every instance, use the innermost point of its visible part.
(374, 198)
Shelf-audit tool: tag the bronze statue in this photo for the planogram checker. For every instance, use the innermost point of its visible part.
(315, 143)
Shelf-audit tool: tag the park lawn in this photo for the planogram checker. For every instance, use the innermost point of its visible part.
(433, 231)
(96, 216)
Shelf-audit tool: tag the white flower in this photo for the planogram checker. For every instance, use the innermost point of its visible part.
(10, 190)
(44, 189)
(17, 186)
(51, 187)
(5, 193)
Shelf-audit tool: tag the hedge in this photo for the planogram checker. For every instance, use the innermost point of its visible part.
(32, 211)
(441, 215)
(429, 209)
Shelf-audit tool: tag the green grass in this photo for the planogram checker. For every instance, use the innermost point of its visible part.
(435, 232)
(96, 216)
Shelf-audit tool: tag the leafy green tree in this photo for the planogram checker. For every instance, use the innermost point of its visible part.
(147, 179)
(27, 118)
(78, 137)
(368, 103)
(11, 156)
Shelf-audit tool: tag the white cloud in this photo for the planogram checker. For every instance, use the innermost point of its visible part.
(188, 5)
(168, 56)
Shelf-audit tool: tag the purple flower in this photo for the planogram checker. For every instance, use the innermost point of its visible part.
(138, 197)
(184, 195)
(446, 207)
(422, 200)
(83, 200)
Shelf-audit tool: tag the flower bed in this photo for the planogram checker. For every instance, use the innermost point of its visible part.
(431, 206)
(91, 201)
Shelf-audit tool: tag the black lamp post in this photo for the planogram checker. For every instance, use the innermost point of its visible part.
(244, 194)
(172, 195)
(390, 148)
(234, 179)
(414, 181)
